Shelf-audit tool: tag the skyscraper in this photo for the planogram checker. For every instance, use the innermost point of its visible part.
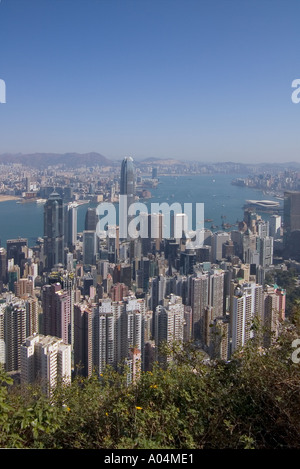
(199, 301)
(53, 231)
(57, 311)
(246, 304)
(127, 188)
(275, 225)
(218, 239)
(291, 224)
(3, 267)
(91, 220)
(169, 326)
(89, 247)
(70, 229)
(15, 250)
(83, 339)
(15, 333)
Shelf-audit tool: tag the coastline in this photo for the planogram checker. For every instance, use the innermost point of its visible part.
(6, 198)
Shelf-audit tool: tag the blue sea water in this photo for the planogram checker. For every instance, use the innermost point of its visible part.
(222, 202)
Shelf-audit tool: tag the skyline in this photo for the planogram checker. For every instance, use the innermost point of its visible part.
(189, 80)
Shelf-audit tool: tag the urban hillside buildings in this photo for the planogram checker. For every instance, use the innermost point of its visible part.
(76, 303)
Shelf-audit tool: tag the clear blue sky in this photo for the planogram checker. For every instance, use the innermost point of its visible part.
(206, 80)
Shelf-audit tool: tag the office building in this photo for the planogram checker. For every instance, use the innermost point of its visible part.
(291, 225)
(275, 226)
(199, 301)
(91, 219)
(89, 247)
(265, 249)
(53, 231)
(127, 188)
(70, 229)
(218, 239)
(16, 250)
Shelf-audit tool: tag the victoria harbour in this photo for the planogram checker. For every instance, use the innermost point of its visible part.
(223, 202)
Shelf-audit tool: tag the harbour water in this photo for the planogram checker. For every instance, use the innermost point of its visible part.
(223, 203)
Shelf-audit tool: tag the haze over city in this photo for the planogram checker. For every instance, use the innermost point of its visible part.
(192, 80)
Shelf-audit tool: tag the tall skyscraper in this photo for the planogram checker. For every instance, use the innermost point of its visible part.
(91, 220)
(127, 188)
(291, 224)
(89, 247)
(169, 325)
(15, 250)
(15, 333)
(54, 231)
(3, 267)
(275, 225)
(57, 312)
(216, 292)
(246, 304)
(70, 229)
(199, 301)
(265, 250)
(83, 339)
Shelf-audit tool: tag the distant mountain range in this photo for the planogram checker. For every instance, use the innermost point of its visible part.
(73, 160)
(43, 160)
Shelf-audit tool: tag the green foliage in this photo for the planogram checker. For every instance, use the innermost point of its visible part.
(286, 279)
(253, 401)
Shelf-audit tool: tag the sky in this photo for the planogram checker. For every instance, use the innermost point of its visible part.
(205, 80)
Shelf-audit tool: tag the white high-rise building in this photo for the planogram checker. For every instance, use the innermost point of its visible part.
(104, 344)
(169, 325)
(246, 304)
(275, 226)
(218, 239)
(265, 249)
(45, 359)
(216, 292)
